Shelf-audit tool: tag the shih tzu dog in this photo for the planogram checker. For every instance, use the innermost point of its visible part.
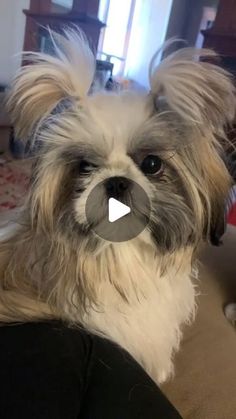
(139, 293)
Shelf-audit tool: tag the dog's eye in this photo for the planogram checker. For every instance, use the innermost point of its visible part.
(152, 165)
(86, 167)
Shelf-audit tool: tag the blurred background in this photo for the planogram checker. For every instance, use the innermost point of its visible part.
(128, 34)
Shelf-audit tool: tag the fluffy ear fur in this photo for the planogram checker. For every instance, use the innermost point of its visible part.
(203, 96)
(200, 92)
(40, 86)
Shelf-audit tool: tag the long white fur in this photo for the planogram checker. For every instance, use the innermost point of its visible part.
(149, 326)
(39, 87)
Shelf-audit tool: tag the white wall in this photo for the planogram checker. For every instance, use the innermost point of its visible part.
(12, 29)
(147, 35)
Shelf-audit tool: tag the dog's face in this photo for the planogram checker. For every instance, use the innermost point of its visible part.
(120, 137)
(164, 141)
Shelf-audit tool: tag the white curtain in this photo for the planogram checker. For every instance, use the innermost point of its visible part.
(148, 33)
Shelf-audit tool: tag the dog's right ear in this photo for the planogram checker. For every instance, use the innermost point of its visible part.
(189, 83)
(39, 87)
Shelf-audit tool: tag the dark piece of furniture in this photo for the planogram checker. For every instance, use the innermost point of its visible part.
(222, 35)
(44, 13)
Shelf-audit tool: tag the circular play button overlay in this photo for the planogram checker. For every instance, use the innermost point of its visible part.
(118, 209)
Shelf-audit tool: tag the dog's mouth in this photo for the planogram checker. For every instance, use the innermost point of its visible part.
(118, 216)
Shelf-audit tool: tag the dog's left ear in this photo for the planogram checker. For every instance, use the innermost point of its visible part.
(203, 96)
(200, 92)
(41, 86)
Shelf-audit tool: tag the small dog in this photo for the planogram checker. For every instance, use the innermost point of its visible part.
(138, 293)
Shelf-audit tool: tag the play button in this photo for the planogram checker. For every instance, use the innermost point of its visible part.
(117, 209)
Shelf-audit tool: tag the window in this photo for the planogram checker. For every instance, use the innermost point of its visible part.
(135, 30)
(114, 40)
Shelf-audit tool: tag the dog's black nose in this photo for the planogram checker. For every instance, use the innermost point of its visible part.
(117, 186)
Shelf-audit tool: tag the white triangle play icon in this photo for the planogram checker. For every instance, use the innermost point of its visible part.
(116, 210)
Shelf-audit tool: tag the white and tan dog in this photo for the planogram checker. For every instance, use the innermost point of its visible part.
(138, 293)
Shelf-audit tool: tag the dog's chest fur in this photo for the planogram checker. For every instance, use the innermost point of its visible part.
(141, 309)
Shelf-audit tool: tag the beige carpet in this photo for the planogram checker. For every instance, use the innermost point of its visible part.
(204, 386)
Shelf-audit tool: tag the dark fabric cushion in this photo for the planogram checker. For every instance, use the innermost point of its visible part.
(49, 371)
